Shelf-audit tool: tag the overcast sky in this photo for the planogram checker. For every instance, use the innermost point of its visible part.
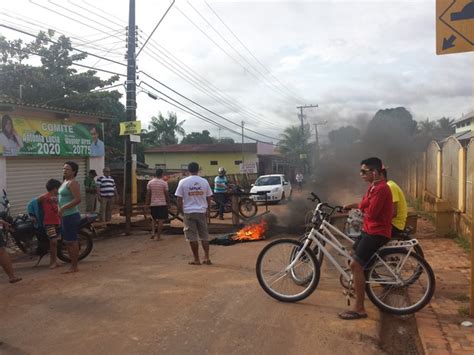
(257, 60)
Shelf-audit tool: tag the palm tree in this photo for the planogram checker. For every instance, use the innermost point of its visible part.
(446, 126)
(294, 142)
(162, 131)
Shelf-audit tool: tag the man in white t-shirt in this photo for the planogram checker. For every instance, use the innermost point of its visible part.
(194, 198)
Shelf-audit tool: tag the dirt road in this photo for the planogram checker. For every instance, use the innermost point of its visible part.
(136, 296)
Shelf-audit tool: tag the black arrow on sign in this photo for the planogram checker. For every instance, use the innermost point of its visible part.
(448, 43)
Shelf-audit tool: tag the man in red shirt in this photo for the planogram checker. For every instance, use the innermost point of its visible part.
(376, 230)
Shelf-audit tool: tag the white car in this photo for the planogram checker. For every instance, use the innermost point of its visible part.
(276, 186)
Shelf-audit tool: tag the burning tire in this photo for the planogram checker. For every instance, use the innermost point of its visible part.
(278, 279)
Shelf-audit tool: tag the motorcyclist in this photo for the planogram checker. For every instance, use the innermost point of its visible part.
(220, 188)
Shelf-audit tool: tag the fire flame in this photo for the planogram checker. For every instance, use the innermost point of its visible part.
(252, 232)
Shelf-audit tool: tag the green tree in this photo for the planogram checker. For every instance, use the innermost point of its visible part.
(293, 144)
(344, 136)
(57, 83)
(446, 126)
(226, 140)
(198, 138)
(164, 131)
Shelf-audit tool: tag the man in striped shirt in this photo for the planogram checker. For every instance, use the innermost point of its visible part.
(106, 192)
(157, 200)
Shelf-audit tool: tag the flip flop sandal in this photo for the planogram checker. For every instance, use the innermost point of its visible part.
(207, 262)
(17, 279)
(352, 315)
(194, 263)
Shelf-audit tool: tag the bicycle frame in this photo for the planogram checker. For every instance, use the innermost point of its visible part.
(327, 234)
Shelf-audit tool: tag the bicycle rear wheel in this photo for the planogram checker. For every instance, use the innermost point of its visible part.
(278, 280)
(392, 286)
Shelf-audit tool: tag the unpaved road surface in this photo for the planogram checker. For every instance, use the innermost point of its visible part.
(136, 296)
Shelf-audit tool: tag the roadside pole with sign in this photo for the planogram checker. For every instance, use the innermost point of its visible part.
(455, 34)
(132, 129)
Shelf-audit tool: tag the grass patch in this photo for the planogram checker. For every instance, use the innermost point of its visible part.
(461, 241)
(463, 311)
(462, 297)
(417, 204)
(428, 215)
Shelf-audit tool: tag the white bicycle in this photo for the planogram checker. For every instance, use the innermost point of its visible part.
(398, 280)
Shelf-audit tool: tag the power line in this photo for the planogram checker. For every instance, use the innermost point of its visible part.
(70, 18)
(236, 51)
(260, 118)
(151, 34)
(201, 81)
(204, 108)
(225, 52)
(59, 31)
(199, 115)
(50, 40)
(174, 91)
(198, 85)
(250, 52)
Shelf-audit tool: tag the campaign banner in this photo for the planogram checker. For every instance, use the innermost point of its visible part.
(27, 136)
(130, 127)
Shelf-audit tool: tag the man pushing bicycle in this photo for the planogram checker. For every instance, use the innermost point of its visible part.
(376, 230)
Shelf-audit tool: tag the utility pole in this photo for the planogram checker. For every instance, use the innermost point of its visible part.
(301, 108)
(316, 159)
(301, 116)
(242, 142)
(131, 113)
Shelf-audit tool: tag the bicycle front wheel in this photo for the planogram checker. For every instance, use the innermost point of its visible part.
(278, 279)
(392, 286)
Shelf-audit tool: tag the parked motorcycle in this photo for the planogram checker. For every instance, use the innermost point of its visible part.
(33, 240)
(247, 207)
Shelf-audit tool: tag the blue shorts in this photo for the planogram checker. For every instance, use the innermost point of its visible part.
(70, 226)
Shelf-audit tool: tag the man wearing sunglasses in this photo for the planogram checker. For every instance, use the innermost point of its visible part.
(376, 230)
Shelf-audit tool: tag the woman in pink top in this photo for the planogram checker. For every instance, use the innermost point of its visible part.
(157, 200)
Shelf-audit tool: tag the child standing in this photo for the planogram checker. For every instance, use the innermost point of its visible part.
(51, 218)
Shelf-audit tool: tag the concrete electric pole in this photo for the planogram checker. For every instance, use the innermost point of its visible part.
(131, 112)
(301, 116)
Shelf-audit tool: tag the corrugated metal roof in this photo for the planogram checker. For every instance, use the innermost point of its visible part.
(6, 100)
(465, 117)
(205, 148)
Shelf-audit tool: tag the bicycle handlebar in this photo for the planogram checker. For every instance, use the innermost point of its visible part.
(314, 197)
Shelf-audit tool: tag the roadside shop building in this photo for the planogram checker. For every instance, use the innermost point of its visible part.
(36, 141)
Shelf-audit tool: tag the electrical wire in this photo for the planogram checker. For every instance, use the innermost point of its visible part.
(260, 118)
(201, 106)
(160, 92)
(227, 53)
(237, 52)
(251, 53)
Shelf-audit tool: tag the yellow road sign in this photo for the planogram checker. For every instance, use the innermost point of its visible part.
(454, 26)
(130, 127)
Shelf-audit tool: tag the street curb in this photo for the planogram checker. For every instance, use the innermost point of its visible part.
(430, 331)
